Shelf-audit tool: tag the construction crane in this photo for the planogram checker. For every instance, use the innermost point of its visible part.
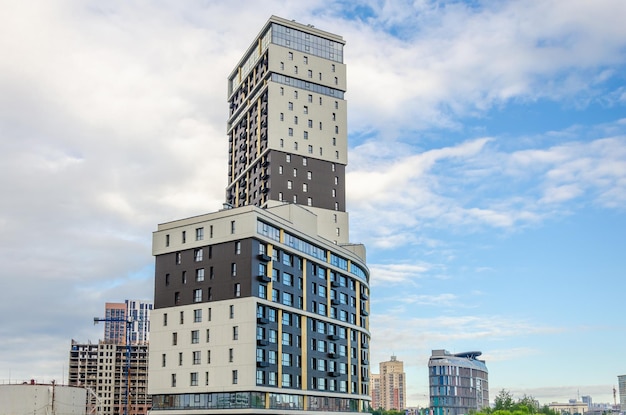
(129, 325)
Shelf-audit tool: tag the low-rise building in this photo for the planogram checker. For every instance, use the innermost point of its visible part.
(41, 399)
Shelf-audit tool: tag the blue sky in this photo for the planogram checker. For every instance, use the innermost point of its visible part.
(487, 172)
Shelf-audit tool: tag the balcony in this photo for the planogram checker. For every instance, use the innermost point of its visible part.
(333, 337)
(264, 257)
(263, 278)
(332, 355)
(333, 374)
(334, 302)
(262, 364)
(262, 320)
(262, 342)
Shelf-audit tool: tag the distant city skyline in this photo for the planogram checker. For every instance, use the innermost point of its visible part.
(485, 175)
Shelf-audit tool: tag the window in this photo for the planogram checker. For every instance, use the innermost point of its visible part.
(336, 81)
(238, 247)
(295, 172)
(195, 336)
(334, 192)
(231, 355)
(290, 56)
(164, 319)
(306, 109)
(309, 175)
(184, 277)
(206, 378)
(310, 98)
(167, 240)
(332, 67)
(280, 169)
(197, 295)
(295, 93)
(199, 234)
(173, 380)
(197, 315)
(193, 381)
(282, 116)
(287, 299)
(197, 254)
(174, 339)
(290, 106)
(288, 279)
(272, 338)
(280, 196)
(286, 341)
(235, 376)
(295, 119)
(167, 279)
(237, 290)
(305, 187)
(232, 226)
(184, 236)
(200, 274)
(231, 311)
(211, 231)
(306, 135)
(208, 357)
(282, 67)
(336, 154)
(295, 145)
(233, 269)
(208, 335)
(289, 184)
(282, 90)
(310, 73)
(306, 59)
(163, 360)
(290, 132)
(179, 258)
(288, 158)
(304, 161)
(310, 149)
(196, 357)
(309, 201)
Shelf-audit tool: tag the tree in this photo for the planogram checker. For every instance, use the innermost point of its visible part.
(504, 401)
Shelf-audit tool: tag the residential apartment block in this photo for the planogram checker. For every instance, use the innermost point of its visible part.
(115, 371)
(262, 307)
(458, 383)
(388, 388)
(131, 315)
(104, 369)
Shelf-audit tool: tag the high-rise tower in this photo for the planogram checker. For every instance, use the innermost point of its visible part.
(262, 307)
(391, 385)
(287, 126)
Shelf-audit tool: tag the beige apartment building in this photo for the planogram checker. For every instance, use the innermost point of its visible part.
(388, 388)
(262, 307)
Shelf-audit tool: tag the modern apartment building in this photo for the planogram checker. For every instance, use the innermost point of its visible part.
(621, 382)
(262, 307)
(458, 383)
(118, 317)
(102, 369)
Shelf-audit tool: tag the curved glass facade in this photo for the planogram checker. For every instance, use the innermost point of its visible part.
(458, 383)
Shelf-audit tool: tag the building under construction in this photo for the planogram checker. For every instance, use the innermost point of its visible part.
(115, 370)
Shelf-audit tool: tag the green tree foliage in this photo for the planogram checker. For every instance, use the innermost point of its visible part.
(505, 405)
(381, 411)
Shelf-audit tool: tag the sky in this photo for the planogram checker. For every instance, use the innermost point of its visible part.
(486, 176)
